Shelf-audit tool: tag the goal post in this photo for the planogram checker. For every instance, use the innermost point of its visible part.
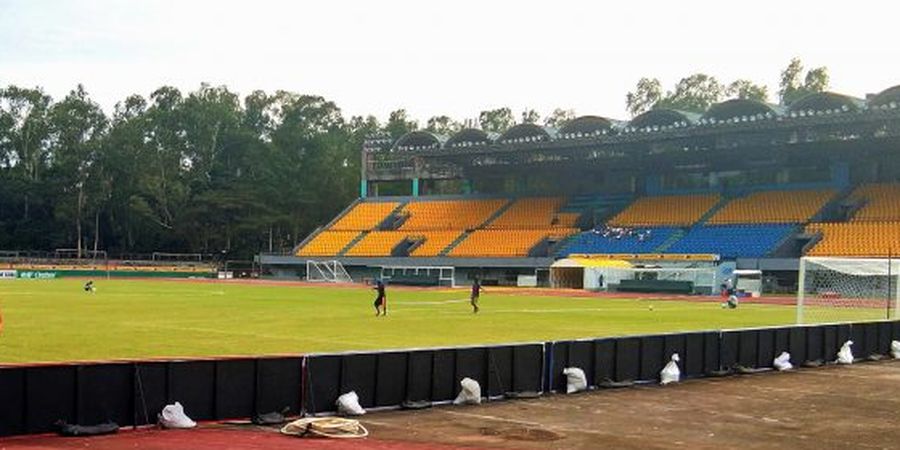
(327, 271)
(831, 289)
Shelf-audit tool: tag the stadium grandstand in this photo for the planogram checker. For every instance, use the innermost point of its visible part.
(746, 185)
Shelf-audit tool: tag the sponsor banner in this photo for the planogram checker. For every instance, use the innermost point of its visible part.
(37, 274)
(7, 274)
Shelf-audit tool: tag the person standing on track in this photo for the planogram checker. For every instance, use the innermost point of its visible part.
(476, 292)
(380, 299)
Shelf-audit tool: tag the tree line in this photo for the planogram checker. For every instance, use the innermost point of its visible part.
(211, 172)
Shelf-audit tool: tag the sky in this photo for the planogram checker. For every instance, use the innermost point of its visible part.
(432, 58)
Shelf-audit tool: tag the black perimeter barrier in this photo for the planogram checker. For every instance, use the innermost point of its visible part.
(33, 397)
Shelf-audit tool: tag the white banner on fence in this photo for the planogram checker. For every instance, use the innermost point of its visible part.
(7, 274)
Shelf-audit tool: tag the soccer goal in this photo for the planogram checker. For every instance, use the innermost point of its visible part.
(327, 271)
(847, 289)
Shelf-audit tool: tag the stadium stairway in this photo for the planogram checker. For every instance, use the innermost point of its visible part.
(456, 242)
(712, 211)
(675, 237)
(394, 219)
(350, 245)
(499, 212)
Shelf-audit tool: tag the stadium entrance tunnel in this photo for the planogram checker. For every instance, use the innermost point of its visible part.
(34, 397)
(583, 273)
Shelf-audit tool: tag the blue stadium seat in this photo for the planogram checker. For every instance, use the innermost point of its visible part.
(732, 241)
(591, 242)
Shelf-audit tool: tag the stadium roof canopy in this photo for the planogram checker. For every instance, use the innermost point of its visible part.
(586, 125)
(662, 117)
(469, 136)
(419, 140)
(527, 132)
(737, 108)
(891, 94)
(826, 101)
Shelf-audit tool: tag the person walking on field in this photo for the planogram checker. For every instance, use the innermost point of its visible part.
(380, 299)
(476, 292)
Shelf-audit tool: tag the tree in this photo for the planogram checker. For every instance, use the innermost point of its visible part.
(496, 120)
(747, 90)
(443, 125)
(791, 88)
(695, 93)
(530, 116)
(399, 124)
(78, 125)
(559, 117)
(645, 96)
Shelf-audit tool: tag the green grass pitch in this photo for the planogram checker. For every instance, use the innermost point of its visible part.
(55, 320)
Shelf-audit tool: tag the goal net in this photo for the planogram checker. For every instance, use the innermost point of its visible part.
(327, 271)
(847, 289)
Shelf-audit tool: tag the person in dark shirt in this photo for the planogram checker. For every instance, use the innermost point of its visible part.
(89, 286)
(380, 299)
(476, 292)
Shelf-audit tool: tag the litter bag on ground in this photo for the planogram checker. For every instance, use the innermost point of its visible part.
(348, 405)
(330, 427)
(895, 349)
(470, 393)
(575, 380)
(845, 355)
(783, 361)
(173, 416)
(671, 373)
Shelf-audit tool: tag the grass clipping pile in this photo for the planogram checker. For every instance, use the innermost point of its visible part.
(329, 427)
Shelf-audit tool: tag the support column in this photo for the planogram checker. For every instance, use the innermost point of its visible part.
(415, 187)
(363, 188)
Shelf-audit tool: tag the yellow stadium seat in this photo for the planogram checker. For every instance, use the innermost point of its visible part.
(773, 207)
(856, 239)
(529, 213)
(377, 243)
(670, 210)
(327, 243)
(882, 202)
(433, 242)
(364, 216)
(449, 214)
(505, 243)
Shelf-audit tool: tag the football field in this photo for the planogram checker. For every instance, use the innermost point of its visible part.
(55, 320)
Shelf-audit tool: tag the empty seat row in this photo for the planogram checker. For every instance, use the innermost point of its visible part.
(881, 202)
(669, 210)
(732, 241)
(861, 239)
(328, 243)
(364, 216)
(773, 207)
(529, 213)
(505, 243)
(449, 214)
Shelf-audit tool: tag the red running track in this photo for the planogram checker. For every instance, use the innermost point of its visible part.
(210, 439)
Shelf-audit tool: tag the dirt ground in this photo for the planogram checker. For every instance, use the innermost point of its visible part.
(830, 407)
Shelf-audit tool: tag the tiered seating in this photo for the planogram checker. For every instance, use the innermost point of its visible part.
(732, 241)
(594, 242)
(434, 242)
(671, 210)
(882, 202)
(529, 213)
(377, 243)
(364, 216)
(773, 207)
(567, 220)
(504, 243)
(449, 214)
(328, 243)
(860, 239)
